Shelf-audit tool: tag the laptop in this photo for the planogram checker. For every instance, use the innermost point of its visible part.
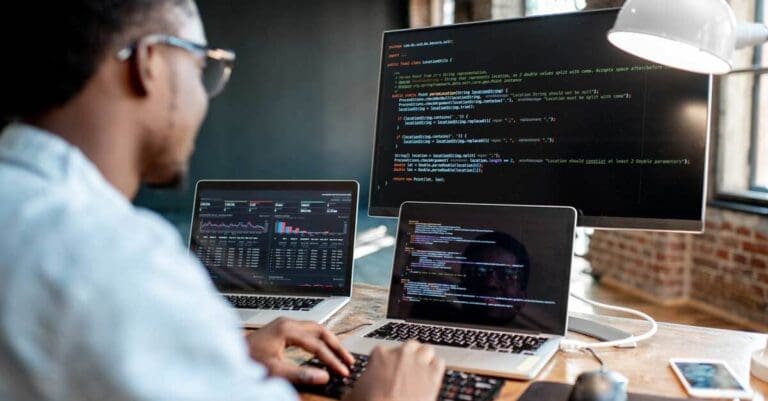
(487, 285)
(277, 248)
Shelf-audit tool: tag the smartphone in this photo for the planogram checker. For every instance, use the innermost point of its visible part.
(709, 378)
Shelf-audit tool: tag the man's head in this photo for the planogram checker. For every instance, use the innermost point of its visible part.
(497, 266)
(67, 58)
(502, 264)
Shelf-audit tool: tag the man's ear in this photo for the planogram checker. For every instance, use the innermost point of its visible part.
(145, 65)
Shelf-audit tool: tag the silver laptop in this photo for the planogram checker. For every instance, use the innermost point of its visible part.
(486, 284)
(277, 248)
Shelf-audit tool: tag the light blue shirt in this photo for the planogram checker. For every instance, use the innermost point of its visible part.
(100, 300)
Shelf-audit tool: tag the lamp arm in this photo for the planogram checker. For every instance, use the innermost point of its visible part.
(751, 34)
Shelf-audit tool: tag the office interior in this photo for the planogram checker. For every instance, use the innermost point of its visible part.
(302, 104)
(306, 109)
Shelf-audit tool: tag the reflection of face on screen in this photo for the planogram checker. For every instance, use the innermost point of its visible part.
(483, 265)
(453, 271)
(497, 267)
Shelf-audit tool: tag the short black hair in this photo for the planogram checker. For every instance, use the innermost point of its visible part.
(60, 45)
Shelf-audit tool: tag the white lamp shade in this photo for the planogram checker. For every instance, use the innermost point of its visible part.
(693, 35)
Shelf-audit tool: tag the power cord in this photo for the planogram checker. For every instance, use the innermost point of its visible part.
(341, 333)
(575, 345)
(600, 360)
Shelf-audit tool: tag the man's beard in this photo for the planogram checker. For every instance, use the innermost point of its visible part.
(178, 182)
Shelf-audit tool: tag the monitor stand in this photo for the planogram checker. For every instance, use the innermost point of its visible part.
(580, 323)
(597, 330)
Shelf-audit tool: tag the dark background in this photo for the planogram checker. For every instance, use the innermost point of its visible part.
(302, 100)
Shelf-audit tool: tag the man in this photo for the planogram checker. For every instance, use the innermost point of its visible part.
(495, 266)
(485, 276)
(99, 300)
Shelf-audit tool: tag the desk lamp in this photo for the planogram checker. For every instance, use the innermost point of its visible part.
(693, 35)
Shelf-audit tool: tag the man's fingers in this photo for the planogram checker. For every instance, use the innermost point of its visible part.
(308, 329)
(425, 354)
(333, 343)
(410, 346)
(299, 374)
(322, 352)
(328, 357)
(437, 366)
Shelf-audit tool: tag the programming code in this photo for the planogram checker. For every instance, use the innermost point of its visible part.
(538, 111)
(464, 265)
(485, 265)
(263, 239)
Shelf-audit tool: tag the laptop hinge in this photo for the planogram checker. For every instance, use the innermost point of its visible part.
(475, 327)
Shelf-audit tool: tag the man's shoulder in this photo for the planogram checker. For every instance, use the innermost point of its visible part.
(63, 236)
(35, 211)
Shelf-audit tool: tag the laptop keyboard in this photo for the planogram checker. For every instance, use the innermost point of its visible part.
(456, 385)
(273, 303)
(458, 337)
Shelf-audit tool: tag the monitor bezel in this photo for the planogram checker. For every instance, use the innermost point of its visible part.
(310, 185)
(585, 221)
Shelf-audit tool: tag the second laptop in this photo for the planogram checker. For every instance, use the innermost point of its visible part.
(277, 248)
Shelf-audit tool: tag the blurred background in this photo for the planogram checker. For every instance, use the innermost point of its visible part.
(302, 105)
(302, 100)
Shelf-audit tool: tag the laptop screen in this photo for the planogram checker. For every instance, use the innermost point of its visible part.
(276, 237)
(487, 266)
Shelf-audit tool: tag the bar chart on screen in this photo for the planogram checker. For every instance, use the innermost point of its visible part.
(285, 228)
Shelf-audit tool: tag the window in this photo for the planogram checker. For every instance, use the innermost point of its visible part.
(759, 145)
(539, 7)
(742, 157)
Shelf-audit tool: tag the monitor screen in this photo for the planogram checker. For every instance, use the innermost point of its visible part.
(494, 266)
(540, 110)
(276, 237)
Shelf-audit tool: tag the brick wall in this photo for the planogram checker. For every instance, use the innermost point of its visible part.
(654, 263)
(729, 264)
(725, 268)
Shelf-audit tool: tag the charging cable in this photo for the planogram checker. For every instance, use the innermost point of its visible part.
(597, 357)
(576, 345)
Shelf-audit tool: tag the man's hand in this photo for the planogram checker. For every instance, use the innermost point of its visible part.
(410, 372)
(267, 344)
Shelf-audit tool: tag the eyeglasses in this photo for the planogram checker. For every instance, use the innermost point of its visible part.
(483, 272)
(217, 66)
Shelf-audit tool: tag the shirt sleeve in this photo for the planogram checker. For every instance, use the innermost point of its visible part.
(154, 328)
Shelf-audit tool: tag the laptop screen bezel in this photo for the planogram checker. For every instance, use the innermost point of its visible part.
(569, 219)
(346, 186)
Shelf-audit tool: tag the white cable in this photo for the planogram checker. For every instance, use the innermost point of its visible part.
(573, 345)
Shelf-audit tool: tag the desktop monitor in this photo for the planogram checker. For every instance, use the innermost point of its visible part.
(542, 111)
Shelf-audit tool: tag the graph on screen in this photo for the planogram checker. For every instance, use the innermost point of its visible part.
(257, 239)
(283, 227)
(221, 227)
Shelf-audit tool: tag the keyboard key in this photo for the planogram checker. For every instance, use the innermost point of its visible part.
(273, 303)
(462, 338)
(456, 385)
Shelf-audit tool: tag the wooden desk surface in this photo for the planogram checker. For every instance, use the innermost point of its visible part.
(646, 366)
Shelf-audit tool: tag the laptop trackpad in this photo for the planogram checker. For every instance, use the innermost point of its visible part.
(247, 314)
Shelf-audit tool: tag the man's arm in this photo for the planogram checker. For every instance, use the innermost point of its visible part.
(153, 327)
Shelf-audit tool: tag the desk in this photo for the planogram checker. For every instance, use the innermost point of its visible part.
(646, 366)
